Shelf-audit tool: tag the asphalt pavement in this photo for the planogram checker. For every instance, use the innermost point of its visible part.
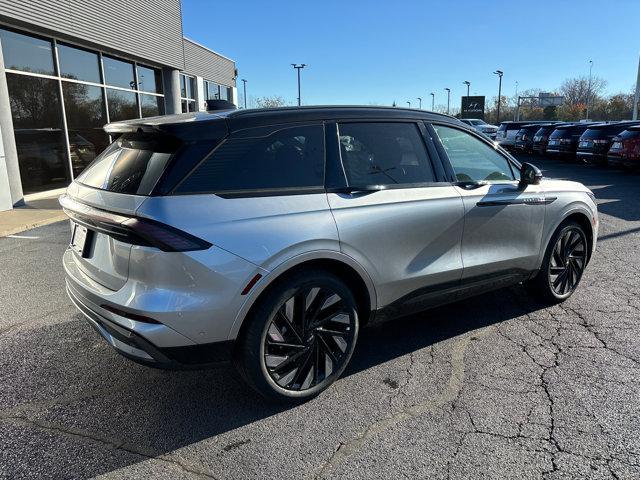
(497, 386)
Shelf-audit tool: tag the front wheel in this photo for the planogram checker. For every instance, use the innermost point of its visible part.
(563, 265)
(300, 337)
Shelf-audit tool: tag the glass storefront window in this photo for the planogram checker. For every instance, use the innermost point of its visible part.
(118, 73)
(212, 90)
(26, 53)
(188, 106)
(37, 123)
(78, 64)
(122, 105)
(149, 79)
(151, 105)
(187, 86)
(224, 93)
(84, 107)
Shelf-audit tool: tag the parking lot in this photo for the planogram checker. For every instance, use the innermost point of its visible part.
(493, 387)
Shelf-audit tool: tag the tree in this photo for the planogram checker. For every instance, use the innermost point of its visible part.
(576, 91)
(270, 102)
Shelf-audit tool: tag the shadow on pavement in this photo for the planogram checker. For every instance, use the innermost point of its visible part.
(78, 384)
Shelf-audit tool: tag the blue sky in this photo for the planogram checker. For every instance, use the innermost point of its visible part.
(362, 52)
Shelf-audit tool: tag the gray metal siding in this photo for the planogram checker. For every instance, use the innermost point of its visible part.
(145, 29)
(208, 65)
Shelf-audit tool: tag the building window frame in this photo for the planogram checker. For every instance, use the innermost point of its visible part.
(191, 101)
(103, 85)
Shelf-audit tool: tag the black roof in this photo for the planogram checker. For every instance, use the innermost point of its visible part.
(178, 124)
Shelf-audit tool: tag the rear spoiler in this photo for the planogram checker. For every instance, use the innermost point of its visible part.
(186, 127)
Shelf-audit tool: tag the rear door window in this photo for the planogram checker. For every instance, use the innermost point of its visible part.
(384, 154)
(472, 159)
(264, 160)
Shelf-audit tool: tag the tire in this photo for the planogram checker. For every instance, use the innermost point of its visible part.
(299, 337)
(563, 265)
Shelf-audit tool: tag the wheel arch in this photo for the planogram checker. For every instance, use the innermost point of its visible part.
(583, 218)
(345, 267)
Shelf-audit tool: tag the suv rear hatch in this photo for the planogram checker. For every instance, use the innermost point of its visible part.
(102, 202)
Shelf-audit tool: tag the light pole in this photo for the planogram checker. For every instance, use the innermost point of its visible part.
(516, 114)
(433, 101)
(409, 103)
(448, 98)
(499, 73)
(468, 84)
(298, 68)
(419, 102)
(244, 87)
(636, 97)
(589, 87)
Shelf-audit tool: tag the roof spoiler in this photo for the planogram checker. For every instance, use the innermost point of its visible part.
(186, 127)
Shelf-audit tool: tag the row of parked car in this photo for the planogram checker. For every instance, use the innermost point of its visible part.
(613, 143)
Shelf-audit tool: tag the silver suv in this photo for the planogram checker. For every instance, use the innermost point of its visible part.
(271, 236)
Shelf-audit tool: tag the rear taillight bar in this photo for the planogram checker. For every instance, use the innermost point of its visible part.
(132, 229)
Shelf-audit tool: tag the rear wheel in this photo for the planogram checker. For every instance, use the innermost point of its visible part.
(563, 265)
(300, 337)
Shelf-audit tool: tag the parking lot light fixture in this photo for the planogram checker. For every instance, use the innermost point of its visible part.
(419, 102)
(499, 73)
(468, 84)
(433, 101)
(244, 86)
(298, 68)
(448, 99)
(589, 87)
(409, 103)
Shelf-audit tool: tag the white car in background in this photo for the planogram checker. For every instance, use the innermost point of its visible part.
(481, 126)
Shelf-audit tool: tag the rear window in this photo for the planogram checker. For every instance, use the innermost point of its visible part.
(132, 164)
(630, 134)
(288, 158)
(594, 133)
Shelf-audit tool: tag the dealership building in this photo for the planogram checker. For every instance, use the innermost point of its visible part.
(69, 67)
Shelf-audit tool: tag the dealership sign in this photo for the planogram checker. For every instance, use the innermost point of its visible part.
(472, 107)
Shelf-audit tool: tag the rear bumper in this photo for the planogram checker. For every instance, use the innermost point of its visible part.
(139, 349)
(591, 157)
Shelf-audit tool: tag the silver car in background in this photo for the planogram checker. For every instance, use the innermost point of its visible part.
(270, 237)
(481, 126)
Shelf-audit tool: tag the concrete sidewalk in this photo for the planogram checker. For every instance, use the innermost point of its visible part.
(39, 209)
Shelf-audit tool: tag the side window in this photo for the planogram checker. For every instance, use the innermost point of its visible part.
(473, 160)
(288, 158)
(384, 154)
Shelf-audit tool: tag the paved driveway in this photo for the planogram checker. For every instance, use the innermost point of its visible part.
(492, 387)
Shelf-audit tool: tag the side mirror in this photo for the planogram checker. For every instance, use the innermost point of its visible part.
(530, 174)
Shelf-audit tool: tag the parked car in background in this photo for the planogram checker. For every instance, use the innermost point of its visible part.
(506, 134)
(481, 126)
(595, 142)
(625, 149)
(541, 137)
(524, 137)
(563, 141)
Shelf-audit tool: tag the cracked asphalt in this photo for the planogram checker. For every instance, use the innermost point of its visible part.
(497, 386)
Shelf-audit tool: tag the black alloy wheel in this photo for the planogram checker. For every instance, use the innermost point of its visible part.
(567, 262)
(309, 338)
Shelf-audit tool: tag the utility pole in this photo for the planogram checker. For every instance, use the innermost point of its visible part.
(244, 86)
(589, 87)
(499, 73)
(298, 68)
(636, 97)
(433, 100)
(516, 114)
(420, 103)
(468, 84)
(448, 98)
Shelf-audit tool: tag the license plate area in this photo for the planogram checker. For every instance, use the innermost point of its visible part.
(80, 240)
